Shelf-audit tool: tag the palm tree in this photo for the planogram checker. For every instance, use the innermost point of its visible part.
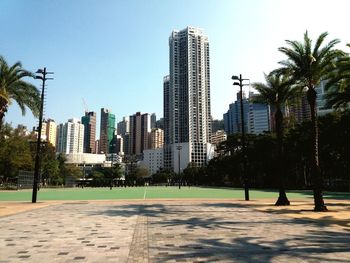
(13, 87)
(307, 66)
(276, 92)
(338, 87)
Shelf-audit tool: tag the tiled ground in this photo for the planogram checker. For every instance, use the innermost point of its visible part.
(167, 231)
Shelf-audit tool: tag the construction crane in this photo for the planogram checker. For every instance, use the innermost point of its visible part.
(85, 105)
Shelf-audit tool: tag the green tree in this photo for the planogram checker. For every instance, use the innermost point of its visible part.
(49, 164)
(307, 66)
(13, 87)
(338, 86)
(15, 153)
(276, 92)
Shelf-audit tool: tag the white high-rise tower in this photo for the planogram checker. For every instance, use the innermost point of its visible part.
(70, 137)
(187, 114)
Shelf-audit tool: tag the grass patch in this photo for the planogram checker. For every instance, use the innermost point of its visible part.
(150, 192)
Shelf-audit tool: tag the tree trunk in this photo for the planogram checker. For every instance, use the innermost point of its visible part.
(3, 109)
(282, 198)
(316, 177)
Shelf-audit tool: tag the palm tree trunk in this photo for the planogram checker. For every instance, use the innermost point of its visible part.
(282, 198)
(3, 109)
(316, 177)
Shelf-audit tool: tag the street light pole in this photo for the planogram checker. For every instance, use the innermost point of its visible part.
(245, 175)
(179, 147)
(43, 77)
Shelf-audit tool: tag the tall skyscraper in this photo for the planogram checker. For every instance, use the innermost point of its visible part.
(153, 120)
(89, 122)
(187, 112)
(107, 130)
(140, 127)
(70, 137)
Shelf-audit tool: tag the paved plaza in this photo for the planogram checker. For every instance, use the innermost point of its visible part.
(170, 231)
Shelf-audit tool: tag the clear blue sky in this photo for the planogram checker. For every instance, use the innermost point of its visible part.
(114, 54)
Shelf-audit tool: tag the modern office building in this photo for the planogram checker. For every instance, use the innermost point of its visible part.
(157, 138)
(70, 137)
(153, 120)
(217, 125)
(256, 116)
(89, 122)
(140, 128)
(160, 123)
(107, 130)
(321, 101)
(187, 112)
(232, 118)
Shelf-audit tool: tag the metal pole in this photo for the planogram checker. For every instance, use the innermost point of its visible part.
(245, 176)
(36, 167)
(179, 149)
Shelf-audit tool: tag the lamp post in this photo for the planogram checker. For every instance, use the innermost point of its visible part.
(179, 147)
(43, 77)
(84, 173)
(245, 175)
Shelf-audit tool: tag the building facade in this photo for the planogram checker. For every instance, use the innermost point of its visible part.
(157, 138)
(232, 118)
(153, 160)
(256, 117)
(218, 137)
(51, 131)
(70, 137)
(140, 128)
(107, 130)
(187, 111)
(89, 122)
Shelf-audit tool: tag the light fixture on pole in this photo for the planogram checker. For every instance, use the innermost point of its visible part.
(43, 77)
(244, 170)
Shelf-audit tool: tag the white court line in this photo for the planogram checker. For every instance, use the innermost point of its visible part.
(144, 195)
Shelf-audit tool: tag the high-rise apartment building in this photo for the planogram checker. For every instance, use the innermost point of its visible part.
(140, 127)
(218, 137)
(89, 122)
(70, 137)
(107, 130)
(157, 138)
(51, 132)
(187, 112)
(123, 126)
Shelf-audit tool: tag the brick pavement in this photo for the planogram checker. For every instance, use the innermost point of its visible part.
(167, 231)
